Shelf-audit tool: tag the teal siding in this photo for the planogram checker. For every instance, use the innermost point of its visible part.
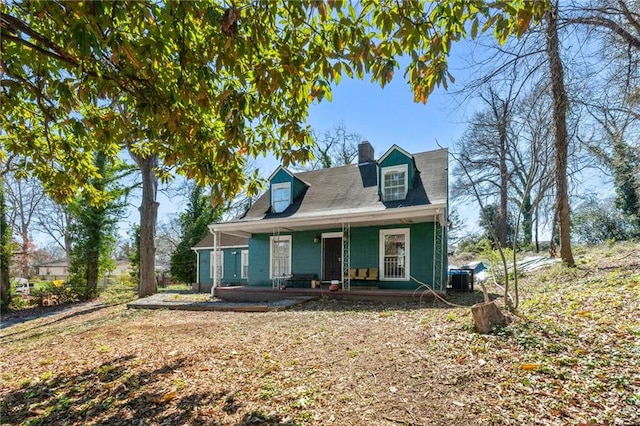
(365, 246)
(396, 158)
(306, 256)
(232, 266)
(204, 260)
(305, 253)
(259, 260)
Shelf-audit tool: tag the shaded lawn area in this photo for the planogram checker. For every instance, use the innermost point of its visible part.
(572, 357)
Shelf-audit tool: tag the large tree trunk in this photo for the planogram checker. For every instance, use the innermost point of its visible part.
(560, 106)
(92, 277)
(148, 220)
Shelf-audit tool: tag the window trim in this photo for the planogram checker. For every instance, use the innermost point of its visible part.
(273, 239)
(407, 256)
(276, 186)
(244, 253)
(391, 169)
(211, 254)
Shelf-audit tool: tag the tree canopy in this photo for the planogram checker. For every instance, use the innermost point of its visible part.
(206, 85)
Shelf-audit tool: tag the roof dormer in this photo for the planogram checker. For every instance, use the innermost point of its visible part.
(284, 187)
(396, 173)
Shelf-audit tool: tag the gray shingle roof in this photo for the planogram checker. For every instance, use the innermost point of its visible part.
(225, 241)
(355, 187)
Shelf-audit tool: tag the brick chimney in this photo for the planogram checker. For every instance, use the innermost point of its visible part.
(365, 152)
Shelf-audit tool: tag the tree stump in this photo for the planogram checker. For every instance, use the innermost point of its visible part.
(486, 316)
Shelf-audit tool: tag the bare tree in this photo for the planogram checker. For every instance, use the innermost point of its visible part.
(484, 149)
(334, 147)
(531, 161)
(23, 197)
(167, 240)
(54, 219)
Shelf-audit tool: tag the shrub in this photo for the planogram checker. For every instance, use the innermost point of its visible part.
(53, 294)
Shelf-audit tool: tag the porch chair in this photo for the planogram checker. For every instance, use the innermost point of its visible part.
(362, 274)
(352, 273)
(373, 274)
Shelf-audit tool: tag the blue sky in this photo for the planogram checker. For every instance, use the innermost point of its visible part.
(388, 115)
(383, 116)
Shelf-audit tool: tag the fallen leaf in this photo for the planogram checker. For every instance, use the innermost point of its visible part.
(169, 396)
(162, 399)
(530, 367)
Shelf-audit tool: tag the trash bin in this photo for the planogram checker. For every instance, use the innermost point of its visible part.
(461, 279)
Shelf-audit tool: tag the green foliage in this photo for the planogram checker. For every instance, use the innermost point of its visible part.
(194, 223)
(5, 252)
(625, 164)
(474, 244)
(51, 294)
(489, 222)
(134, 254)
(93, 229)
(123, 290)
(207, 84)
(597, 221)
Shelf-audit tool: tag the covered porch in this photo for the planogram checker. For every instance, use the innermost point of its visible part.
(336, 248)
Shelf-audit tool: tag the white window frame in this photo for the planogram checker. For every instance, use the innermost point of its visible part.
(244, 264)
(272, 240)
(220, 264)
(274, 188)
(407, 255)
(402, 168)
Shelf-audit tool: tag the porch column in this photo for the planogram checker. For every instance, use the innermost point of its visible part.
(346, 256)
(439, 250)
(216, 251)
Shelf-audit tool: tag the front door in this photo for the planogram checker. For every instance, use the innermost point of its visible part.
(332, 259)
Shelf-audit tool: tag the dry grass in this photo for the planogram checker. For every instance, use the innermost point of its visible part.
(572, 357)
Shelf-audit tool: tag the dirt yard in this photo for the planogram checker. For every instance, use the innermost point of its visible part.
(572, 356)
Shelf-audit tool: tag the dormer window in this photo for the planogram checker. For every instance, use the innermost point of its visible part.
(394, 183)
(280, 196)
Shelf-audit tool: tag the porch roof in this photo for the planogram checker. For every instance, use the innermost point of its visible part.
(360, 217)
(225, 241)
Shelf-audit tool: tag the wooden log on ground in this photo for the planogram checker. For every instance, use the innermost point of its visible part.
(487, 316)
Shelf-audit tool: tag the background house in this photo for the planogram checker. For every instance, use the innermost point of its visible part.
(384, 220)
(56, 270)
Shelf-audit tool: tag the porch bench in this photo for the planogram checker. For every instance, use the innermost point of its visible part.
(363, 274)
(300, 280)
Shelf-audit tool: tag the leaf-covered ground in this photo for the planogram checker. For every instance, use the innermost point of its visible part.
(571, 357)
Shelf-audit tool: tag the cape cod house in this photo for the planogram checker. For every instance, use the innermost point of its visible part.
(379, 224)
